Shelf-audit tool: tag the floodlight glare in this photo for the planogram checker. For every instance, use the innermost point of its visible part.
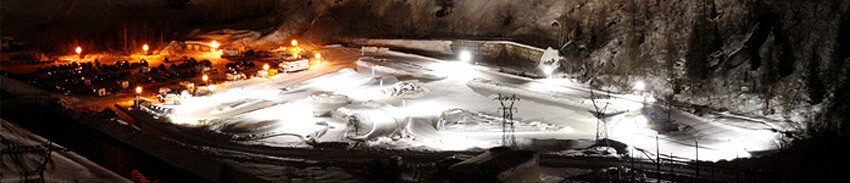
(548, 70)
(639, 86)
(465, 56)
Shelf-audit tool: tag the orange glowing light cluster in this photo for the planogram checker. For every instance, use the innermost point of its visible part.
(138, 90)
(294, 42)
(214, 44)
(205, 77)
(318, 56)
(145, 47)
(296, 51)
(79, 50)
(266, 67)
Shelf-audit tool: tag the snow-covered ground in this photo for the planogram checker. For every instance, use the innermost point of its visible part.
(405, 101)
(64, 166)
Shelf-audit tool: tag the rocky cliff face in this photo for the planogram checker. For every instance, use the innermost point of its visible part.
(777, 58)
(780, 58)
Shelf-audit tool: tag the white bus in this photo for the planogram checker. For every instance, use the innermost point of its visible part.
(296, 65)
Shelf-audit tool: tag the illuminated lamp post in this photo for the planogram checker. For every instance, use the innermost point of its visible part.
(266, 69)
(465, 56)
(138, 93)
(145, 48)
(639, 86)
(295, 50)
(318, 58)
(205, 78)
(214, 45)
(79, 51)
(548, 70)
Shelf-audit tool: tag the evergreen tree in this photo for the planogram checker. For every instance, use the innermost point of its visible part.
(700, 44)
(814, 82)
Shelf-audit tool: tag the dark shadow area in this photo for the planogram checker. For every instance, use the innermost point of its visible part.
(93, 145)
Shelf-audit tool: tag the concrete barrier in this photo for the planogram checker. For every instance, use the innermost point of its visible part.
(507, 56)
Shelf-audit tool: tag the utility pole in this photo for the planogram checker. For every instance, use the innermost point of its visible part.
(737, 168)
(507, 102)
(657, 160)
(672, 173)
(696, 146)
(632, 157)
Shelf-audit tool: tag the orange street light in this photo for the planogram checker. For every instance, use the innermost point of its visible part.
(294, 42)
(79, 50)
(318, 56)
(205, 78)
(138, 92)
(145, 47)
(214, 45)
(266, 67)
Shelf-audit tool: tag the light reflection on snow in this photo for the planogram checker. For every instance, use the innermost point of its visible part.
(291, 108)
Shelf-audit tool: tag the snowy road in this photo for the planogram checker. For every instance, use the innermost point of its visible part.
(416, 103)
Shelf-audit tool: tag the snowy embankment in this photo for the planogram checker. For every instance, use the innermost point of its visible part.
(571, 99)
(435, 46)
(63, 166)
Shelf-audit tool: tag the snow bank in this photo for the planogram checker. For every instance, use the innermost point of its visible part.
(438, 46)
(576, 100)
(366, 122)
(459, 120)
(329, 98)
(402, 69)
(325, 102)
(407, 89)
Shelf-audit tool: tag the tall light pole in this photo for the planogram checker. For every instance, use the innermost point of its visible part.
(465, 56)
(266, 69)
(295, 51)
(318, 57)
(548, 71)
(214, 45)
(696, 146)
(79, 51)
(657, 159)
(138, 93)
